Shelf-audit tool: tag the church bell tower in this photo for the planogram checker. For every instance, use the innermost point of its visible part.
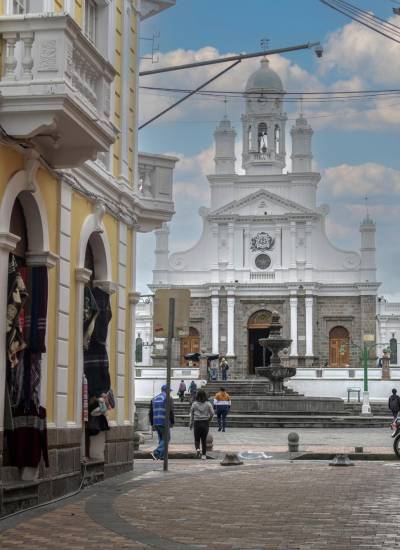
(264, 123)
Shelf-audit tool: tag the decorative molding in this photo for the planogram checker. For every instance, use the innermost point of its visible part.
(8, 241)
(47, 259)
(107, 286)
(82, 275)
(99, 209)
(32, 164)
(134, 297)
(262, 242)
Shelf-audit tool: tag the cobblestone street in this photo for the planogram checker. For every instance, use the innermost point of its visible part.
(269, 504)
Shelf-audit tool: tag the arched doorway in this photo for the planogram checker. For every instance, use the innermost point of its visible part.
(189, 344)
(27, 294)
(339, 354)
(258, 327)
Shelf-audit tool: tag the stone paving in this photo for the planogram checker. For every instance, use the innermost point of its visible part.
(376, 440)
(267, 504)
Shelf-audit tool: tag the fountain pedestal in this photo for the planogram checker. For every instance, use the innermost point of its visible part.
(275, 371)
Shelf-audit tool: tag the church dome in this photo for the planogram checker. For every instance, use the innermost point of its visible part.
(264, 78)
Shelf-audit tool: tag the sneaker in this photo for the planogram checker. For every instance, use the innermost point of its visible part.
(219, 429)
(198, 454)
(154, 457)
(223, 429)
(203, 457)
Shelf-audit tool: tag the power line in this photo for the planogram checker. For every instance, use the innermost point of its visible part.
(367, 19)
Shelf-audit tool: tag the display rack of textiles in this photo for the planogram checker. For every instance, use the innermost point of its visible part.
(24, 417)
(98, 397)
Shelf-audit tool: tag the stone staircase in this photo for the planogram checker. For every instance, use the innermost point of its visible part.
(348, 417)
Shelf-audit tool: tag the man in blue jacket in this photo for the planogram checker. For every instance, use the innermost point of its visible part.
(157, 412)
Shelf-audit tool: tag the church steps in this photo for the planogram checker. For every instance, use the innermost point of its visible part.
(296, 421)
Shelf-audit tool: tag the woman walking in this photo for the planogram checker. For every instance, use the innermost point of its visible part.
(200, 415)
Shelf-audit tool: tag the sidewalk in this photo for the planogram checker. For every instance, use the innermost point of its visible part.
(344, 440)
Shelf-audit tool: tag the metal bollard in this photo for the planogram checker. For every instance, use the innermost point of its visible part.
(293, 442)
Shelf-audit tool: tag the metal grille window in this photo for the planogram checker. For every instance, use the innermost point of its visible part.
(90, 20)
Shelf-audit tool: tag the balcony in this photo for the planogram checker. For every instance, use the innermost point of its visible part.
(155, 201)
(55, 89)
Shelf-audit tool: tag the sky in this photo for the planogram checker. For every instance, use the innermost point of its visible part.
(355, 143)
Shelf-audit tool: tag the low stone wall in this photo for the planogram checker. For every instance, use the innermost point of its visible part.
(286, 405)
(65, 471)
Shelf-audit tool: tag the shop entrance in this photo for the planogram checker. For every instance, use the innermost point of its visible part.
(258, 327)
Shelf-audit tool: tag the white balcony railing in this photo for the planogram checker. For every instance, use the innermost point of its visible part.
(55, 87)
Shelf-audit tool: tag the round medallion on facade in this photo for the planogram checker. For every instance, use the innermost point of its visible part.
(263, 261)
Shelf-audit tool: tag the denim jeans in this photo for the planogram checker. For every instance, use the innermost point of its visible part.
(221, 416)
(159, 451)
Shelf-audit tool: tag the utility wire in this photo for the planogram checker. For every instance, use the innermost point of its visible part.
(364, 18)
(192, 92)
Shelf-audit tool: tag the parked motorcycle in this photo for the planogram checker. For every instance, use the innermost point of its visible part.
(396, 435)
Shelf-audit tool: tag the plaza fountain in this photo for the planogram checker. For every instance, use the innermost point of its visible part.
(275, 371)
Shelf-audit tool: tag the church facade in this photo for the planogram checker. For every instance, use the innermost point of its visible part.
(264, 248)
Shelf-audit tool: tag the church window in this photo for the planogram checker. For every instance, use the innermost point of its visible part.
(277, 136)
(262, 138)
(139, 350)
(339, 347)
(250, 141)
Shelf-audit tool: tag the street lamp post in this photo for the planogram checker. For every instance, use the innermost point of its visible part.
(366, 407)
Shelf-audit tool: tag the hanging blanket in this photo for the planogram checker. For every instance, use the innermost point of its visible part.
(30, 437)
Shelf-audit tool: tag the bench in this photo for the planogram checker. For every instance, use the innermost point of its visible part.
(353, 390)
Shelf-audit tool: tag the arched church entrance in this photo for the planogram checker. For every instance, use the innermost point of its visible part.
(258, 327)
(189, 344)
(339, 340)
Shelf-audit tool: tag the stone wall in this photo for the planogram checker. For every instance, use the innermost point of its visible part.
(65, 471)
(335, 311)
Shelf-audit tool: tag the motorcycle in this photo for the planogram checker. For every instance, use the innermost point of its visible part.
(396, 436)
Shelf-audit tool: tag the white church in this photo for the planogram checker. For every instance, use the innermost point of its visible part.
(264, 248)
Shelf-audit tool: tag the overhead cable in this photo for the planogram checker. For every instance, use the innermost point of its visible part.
(382, 27)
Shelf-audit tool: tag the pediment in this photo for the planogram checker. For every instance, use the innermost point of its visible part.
(259, 202)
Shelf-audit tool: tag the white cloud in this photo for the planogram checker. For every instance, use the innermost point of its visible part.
(361, 180)
(356, 49)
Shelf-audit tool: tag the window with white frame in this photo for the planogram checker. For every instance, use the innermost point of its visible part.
(90, 20)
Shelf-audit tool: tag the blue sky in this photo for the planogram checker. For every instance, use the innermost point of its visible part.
(363, 136)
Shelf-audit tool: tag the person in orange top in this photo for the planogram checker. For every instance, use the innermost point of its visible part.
(222, 404)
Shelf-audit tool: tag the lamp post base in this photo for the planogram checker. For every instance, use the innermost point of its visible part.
(366, 407)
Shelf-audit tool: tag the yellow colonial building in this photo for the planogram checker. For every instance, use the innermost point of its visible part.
(74, 193)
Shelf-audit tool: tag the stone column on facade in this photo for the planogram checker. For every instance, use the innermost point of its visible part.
(215, 321)
(278, 246)
(293, 325)
(231, 235)
(121, 322)
(293, 232)
(309, 303)
(82, 277)
(246, 236)
(231, 325)
(8, 242)
(63, 307)
(48, 260)
(214, 251)
(133, 301)
(308, 231)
